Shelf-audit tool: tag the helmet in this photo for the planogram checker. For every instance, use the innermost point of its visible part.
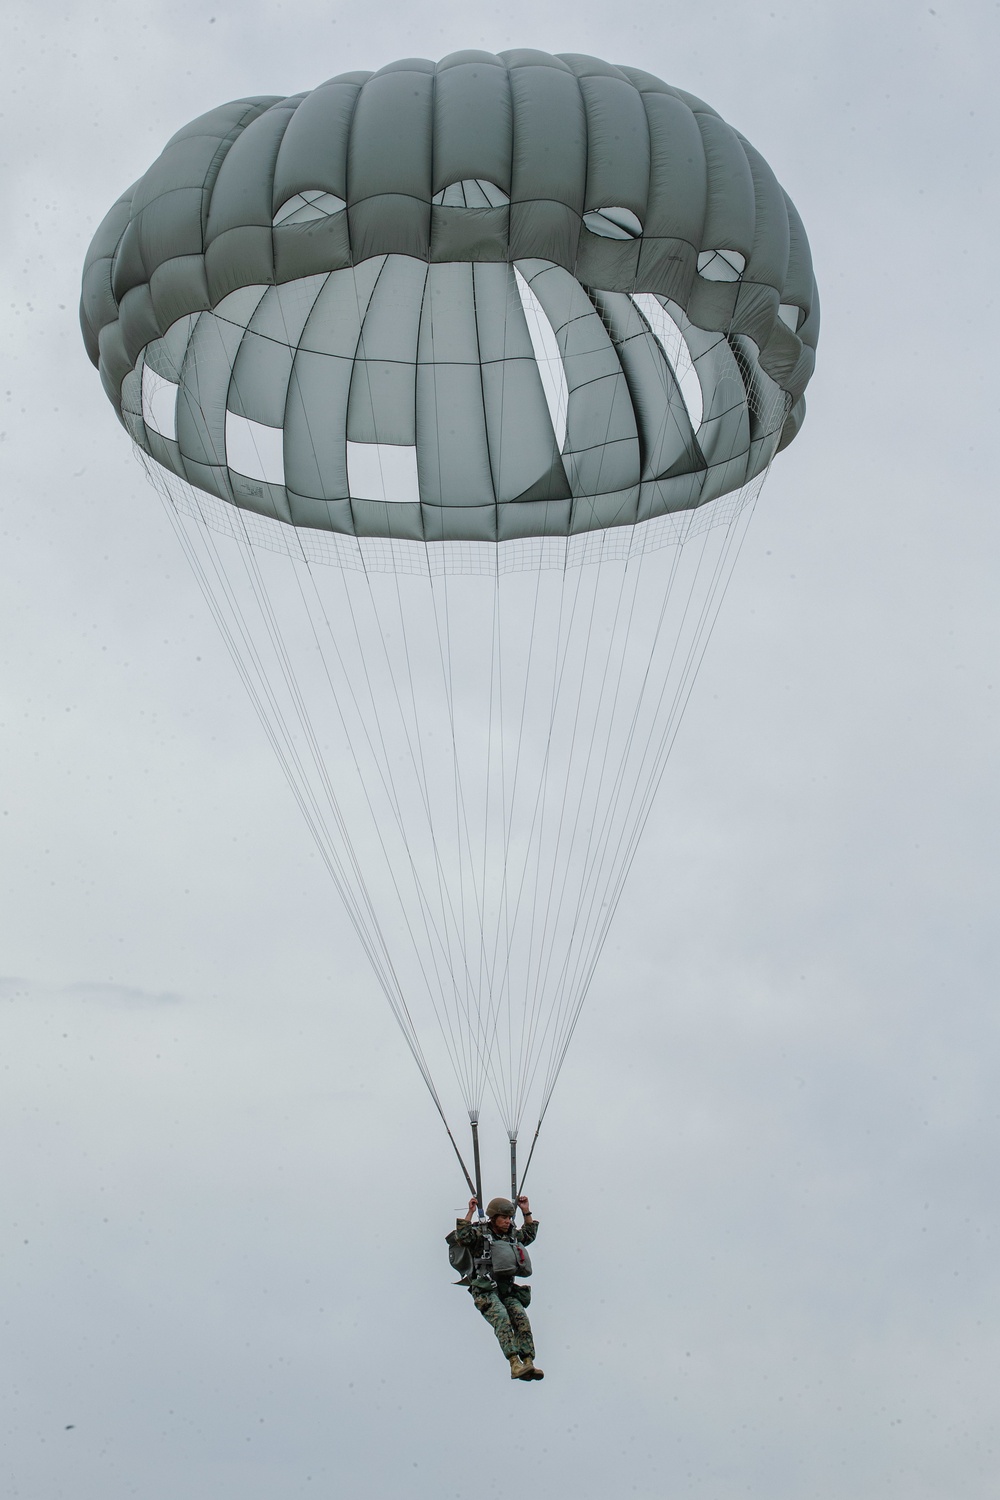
(499, 1206)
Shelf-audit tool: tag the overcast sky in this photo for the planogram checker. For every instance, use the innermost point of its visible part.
(768, 1259)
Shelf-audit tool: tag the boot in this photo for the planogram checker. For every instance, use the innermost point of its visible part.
(518, 1369)
(532, 1371)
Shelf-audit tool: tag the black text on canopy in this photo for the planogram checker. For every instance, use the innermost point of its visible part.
(458, 379)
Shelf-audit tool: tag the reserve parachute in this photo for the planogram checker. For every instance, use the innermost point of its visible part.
(459, 381)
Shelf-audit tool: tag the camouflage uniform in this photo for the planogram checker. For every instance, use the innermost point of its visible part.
(502, 1302)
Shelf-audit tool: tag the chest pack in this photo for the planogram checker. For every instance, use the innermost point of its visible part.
(508, 1257)
(502, 1256)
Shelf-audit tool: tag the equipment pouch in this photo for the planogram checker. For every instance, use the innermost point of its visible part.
(510, 1258)
(460, 1257)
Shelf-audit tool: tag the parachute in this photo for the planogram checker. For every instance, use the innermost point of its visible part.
(459, 381)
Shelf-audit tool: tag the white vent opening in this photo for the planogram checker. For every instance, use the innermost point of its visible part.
(471, 192)
(254, 450)
(671, 340)
(547, 357)
(721, 265)
(383, 471)
(159, 403)
(613, 223)
(311, 204)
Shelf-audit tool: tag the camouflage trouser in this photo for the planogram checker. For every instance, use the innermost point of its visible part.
(505, 1313)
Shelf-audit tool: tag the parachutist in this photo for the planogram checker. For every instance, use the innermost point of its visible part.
(491, 1256)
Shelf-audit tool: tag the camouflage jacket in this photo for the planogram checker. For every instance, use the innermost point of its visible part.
(472, 1235)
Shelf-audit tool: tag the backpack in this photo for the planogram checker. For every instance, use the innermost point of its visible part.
(461, 1260)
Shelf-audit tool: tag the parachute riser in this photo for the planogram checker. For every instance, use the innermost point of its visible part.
(461, 1163)
(477, 1167)
(474, 1121)
(534, 1140)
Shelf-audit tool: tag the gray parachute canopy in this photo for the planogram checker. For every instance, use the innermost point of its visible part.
(487, 298)
(510, 343)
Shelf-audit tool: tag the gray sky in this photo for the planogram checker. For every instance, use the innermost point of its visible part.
(768, 1261)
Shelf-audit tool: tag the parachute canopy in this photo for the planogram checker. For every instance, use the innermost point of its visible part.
(492, 297)
(510, 340)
